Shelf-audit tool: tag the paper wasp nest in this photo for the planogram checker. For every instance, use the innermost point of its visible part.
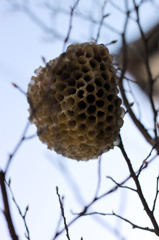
(80, 115)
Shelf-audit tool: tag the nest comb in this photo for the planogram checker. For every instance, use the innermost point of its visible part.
(80, 115)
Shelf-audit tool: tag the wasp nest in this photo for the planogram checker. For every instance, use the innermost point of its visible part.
(79, 114)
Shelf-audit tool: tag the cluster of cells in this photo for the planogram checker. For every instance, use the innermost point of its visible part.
(74, 102)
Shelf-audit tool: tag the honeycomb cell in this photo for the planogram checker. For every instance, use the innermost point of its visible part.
(80, 83)
(80, 93)
(82, 114)
(81, 105)
(90, 88)
(90, 98)
(91, 109)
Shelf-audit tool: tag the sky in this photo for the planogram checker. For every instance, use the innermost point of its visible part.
(35, 171)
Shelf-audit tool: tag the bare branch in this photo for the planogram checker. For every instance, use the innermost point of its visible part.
(6, 211)
(139, 189)
(124, 219)
(63, 215)
(70, 23)
(157, 192)
(102, 20)
(121, 186)
(27, 234)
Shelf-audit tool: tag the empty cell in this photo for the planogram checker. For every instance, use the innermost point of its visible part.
(100, 125)
(118, 102)
(91, 119)
(105, 58)
(81, 117)
(63, 126)
(110, 108)
(104, 76)
(90, 88)
(107, 86)
(80, 93)
(82, 127)
(100, 93)
(101, 135)
(60, 86)
(80, 83)
(90, 98)
(91, 134)
(98, 81)
(72, 124)
(78, 74)
(62, 117)
(81, 105)
(70, 101)
(71, 82)
(83, 147)
(109, 129)
(93, 63)
(80, 52)
(100, 114)
(82, 60)
(65, 75)
(102, 66)
(98, 58)
(91, 109)
(59, 71)
(103, 51)
(87, 77)
(110, 119)
(59, 97)
(89, 52)
(110, 97)
(69, 91)
(70, 113)
(100, 103)
(85, 69)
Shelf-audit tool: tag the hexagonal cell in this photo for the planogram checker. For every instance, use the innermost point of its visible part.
(69, 91)
(86, 68)
(91, 109)
(70, 102)
(71, 82)
(62, 117)
(90, 87)
(87, 77)
(72, 124)
(80, 93)
(90, 98)
(80, 83)
(80, 52)
(81, 117)
(81, 105)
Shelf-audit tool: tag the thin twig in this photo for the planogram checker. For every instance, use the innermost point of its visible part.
(157, 192)
(27, 234)
(7, 212)
(146, 59)
(139, 189)
(70, 23)
(124, 219)
(102, 20)
(20, 89)
(121, 186)
(63, 215)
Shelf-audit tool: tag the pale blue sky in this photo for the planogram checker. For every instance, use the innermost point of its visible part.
(36, 171)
